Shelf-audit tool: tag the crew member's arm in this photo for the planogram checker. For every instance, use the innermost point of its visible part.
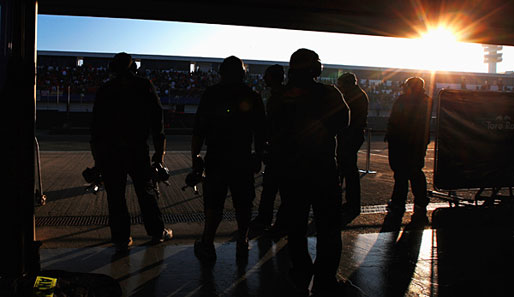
(259, 127)
(339, 109)
(199, 131)
(392, 124)
(428, 118)
(157, 125)
(340, 118)
(96, 125)
(360, 110)
(339, 148)
(259, 133)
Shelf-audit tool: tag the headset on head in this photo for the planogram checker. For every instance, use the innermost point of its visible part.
(305, 59)
(347, 79)
(229, 64)
(122, 62)
(414, 83)
(317, 68)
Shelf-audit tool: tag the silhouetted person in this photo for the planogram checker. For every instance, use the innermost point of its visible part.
(408, 135)
(349, 142)
(274, 78)
(230, 117)
(126, 112)
(304, 129)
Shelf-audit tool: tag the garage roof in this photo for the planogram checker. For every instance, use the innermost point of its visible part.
(479, 21)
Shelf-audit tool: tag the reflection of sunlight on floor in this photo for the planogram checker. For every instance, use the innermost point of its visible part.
(254, 269)
(368, 264)
(425, 273)
(379, 263)
(362, 245)
(143, 264)
(466, 255)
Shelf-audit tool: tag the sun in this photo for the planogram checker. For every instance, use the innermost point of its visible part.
(439, 48)
(439, 35)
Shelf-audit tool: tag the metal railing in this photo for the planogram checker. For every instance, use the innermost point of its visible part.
(368, 154)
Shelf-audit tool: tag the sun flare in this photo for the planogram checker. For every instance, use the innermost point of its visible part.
(439, 35)
(438, 48)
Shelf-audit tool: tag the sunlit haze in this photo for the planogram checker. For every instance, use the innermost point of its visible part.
(437, 49)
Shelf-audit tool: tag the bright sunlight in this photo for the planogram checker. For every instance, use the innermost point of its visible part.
(439, 35)
(439, 49)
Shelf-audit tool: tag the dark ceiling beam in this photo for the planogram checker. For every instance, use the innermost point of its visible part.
(480, 21)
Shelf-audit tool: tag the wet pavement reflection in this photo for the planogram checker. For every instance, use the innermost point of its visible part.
(170, 270)
(426, 262)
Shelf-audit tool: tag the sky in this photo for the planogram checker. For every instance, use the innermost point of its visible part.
(436, 51)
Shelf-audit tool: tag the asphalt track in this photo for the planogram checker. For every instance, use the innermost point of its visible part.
(64, 156)
(376, 180)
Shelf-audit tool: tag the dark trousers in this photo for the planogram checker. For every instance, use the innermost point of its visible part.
(407, 164)
(270, 188)
(323, 193)
(215, 186)
(349, 171)
(115, 168)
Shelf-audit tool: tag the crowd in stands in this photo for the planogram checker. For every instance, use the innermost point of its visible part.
(81, 80)
(169, 84)
(381, 95)
(184, 87)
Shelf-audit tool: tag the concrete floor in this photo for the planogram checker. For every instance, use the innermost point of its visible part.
(459, 258)
(405, 263)
(462, 253)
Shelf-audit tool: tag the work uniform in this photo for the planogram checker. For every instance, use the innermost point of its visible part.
(230, 117)
(349, 142)
(408, 135)
(126, 112)
(304, 142)
(270, 185)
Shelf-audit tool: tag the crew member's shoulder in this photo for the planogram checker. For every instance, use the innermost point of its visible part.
(217, 87)
(138, 80)
(402, 98)
(362, 91)
(251, 91)
(241, 87)
(329, 90)
(212, 89)
(237, 88)
(107, 86)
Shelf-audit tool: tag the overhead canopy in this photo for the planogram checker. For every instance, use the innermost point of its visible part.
(479, 21)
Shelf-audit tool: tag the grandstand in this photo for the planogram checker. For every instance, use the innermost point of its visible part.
(67, 82)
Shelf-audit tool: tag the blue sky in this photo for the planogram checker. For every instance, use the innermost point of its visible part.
(66, 33)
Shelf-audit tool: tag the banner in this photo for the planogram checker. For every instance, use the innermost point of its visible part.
(475, 140)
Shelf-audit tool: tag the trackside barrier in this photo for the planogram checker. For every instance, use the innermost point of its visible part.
(368, 153)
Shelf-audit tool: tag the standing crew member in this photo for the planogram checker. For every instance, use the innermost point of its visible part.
(349, 142)
(274, 78)
(304, 130)
(229, 119)
(126, 111)
(408, 135)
